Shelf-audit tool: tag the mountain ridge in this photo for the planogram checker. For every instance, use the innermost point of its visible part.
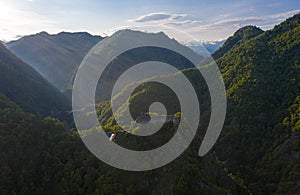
(27, 88)
(242, 34)
(56, 56)
(257, 72)
(257, 152)
(258, 144)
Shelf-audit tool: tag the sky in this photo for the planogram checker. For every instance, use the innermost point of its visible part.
(201, 20)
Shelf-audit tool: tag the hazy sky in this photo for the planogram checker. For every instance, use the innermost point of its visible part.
(202, 19)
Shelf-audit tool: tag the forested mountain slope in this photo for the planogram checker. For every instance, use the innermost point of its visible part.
(258, 151)
(263, 89)
(259, 146)
(243, 34)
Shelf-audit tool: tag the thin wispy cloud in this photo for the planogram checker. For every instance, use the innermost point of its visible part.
(229, 25)
(259, 21)
(285, 15)
(229, 22)
(158, 17)
(18, 36)
(219, 29)
(182, 23)
(177, 20)
(166, 19)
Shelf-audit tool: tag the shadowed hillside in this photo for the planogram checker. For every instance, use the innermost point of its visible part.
(56, 57)
(27, 88)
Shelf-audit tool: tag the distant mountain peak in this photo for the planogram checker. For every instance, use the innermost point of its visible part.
(55, 56)
(205, 48)
(43, 33)
(131, 32)
(124, 36)
(127, 30)
(63, 33)
(137, 35)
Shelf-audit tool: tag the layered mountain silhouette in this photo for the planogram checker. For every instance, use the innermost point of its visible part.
(24, 86)
(43, 149)
(135, 56)
(257, 152)
(205, 48)
(56, 57)
(259, 142)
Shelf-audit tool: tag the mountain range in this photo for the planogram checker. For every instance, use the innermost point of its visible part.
(205, 48)
(259, 142)
(56, 57)
(23, 85)
(258, 151)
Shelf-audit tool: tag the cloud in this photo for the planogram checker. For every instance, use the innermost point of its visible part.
(285, 15)
(219, 29)
(229, 25)
(159, 16)
(182, 23)
(18, 36)
(267, 21)
(166, 19)
(232, 22)
(178, 20)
